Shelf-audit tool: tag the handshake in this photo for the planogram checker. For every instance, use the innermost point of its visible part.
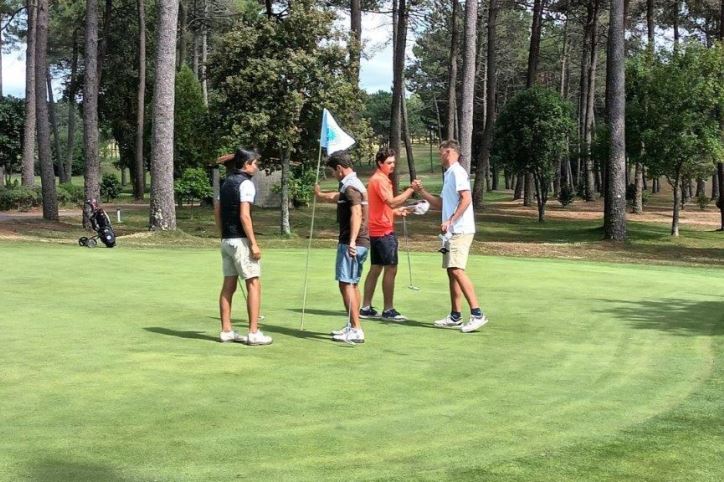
(417, 186)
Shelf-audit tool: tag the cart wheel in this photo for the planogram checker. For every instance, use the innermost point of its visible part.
(83, 241)
(91, 243)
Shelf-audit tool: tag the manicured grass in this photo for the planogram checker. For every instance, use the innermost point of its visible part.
(587, 371)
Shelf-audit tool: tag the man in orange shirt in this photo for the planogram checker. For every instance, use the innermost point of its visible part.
(383, 206)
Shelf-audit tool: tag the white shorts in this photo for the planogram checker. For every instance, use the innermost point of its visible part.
(236, 259)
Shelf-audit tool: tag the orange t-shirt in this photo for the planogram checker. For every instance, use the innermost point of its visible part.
(381, 216)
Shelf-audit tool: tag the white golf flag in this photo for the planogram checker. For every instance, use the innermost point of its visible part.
(333, 138)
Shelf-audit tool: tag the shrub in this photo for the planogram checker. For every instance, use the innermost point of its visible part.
(70, 193)
(193, 184)
(110, 187)
(631, 195)
(301, 186)
(702, 200)
(21, 198)
(566, 195)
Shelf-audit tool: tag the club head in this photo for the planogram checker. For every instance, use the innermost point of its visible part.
(413, 288)
(261, 318)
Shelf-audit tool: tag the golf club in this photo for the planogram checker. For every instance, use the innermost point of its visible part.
(261, 317)
(407, 248)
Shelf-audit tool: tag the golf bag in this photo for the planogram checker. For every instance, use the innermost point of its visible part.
(100, 223)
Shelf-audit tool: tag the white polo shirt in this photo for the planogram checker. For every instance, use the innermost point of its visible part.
(455, 180)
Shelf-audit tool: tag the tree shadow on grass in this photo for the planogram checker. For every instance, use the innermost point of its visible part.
(196, 335)
(52, 469)
(677, 316)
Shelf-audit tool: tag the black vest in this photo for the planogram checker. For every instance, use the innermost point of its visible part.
(231, 206)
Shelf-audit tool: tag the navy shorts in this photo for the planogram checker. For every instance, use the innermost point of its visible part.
(384, 250)
(347, 268)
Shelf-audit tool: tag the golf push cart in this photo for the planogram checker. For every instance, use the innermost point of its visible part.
(100, 223)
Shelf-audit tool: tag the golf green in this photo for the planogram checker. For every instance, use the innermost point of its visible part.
(110, 369)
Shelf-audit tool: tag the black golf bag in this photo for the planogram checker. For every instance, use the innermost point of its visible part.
(100, 223)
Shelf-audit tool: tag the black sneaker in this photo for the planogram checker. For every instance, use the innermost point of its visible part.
(393, 315)
(368, 313)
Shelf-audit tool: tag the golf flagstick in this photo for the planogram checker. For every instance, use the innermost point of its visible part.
(309, 243)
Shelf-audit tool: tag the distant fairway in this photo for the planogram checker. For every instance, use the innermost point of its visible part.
(110, 370)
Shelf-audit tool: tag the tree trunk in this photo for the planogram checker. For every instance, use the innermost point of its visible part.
(541, 189)
(518, 190)
(700, 187)
(205, 54)
(72, 89)
(408, 142)
(56, 132)
(103, 44)
(139, 178)
(720, 165)
(715, 185)
(162, 210)
(614, 221)
(284, 226)
(1, 69)
(90, 105)
(355, 43)
(720, 175)
(452, 73)
(676, 25)
(535, 36)
(398, 89)
(28, 169)
(47, 176)
(590, 104)
(533, 58)
(650, 23)
(181, 36)
(638, 205)
(676, 186)
(468, 94)
(492, 87)
(437, 116)
(563, 89)
(195, 42)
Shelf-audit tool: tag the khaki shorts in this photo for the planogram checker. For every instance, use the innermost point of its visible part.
(236, 259)
(459, 248)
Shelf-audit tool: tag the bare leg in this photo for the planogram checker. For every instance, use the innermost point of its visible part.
(351, 296)
(456, 293)
(464, 285)
(253, 301)
(388, 286)
(371, 283)
(228, 288)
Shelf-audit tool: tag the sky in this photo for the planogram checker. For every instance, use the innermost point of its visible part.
(375, 70)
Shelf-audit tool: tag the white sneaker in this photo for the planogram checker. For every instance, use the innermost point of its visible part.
(232, 335)
(474, 323)
(352, 335)
(257, 338)
(448, 322)
(341, 331)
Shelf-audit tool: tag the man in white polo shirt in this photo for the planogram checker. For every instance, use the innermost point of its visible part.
(458, 230)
